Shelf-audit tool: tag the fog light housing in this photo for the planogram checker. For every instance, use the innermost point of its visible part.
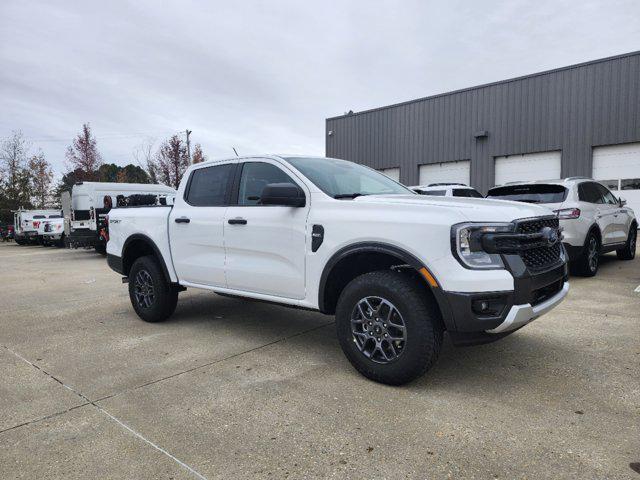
(488, 307)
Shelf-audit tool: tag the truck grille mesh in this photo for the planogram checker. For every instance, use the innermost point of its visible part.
(539, 258)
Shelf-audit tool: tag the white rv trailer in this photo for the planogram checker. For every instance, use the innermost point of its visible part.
(86, 207)
(27, 222)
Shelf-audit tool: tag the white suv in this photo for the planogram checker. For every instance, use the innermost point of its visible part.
(447, 190)
(594, 221)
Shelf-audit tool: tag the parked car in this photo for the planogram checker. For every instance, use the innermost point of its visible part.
(594, 221)
(27, 222)
(447, 190)
(395, 268)
(87, 205)
(6, 232)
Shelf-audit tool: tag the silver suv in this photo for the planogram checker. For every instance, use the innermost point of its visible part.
(594, 221)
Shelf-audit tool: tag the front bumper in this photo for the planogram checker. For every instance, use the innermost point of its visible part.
(533, 295)
(520, 315)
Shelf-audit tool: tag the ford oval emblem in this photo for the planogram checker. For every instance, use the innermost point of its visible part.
(550, 235)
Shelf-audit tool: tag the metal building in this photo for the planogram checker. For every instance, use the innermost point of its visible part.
(579, 120)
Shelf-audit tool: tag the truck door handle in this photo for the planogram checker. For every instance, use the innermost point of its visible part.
(182, 220)
(237, 221)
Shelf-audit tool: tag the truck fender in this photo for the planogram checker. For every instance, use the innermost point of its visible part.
(138, 240)
(403, 257)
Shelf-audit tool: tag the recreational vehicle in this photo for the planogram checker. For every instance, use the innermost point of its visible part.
(87, 205)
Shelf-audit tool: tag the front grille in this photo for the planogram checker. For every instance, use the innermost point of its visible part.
(539, 257)
(536, 224)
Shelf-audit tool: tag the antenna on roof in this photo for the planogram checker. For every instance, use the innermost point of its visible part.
(234, 151)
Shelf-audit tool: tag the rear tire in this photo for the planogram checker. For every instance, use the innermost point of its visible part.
(629, 250)
(154, 299)
(587, 264)
(365, 333)
(101, 249)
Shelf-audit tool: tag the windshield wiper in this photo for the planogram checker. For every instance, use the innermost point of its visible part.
(348, 195)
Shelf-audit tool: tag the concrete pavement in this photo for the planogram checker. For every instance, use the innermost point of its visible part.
(236, 389)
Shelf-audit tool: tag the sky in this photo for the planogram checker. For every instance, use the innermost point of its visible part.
(263, 76)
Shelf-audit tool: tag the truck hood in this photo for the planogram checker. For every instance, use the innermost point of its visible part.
(473, 209)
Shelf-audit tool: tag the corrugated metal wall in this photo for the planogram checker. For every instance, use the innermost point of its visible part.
(571, 109)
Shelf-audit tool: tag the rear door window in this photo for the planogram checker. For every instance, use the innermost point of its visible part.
(434, 193)
(210, 186)
(535, 193)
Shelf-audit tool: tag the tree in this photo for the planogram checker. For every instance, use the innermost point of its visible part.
(108, 172)
(135, 174)
(198, 154)
(83, 155)
(14, 177)
(67, 182)
(41, 178)
(170, 162)
(143, 154)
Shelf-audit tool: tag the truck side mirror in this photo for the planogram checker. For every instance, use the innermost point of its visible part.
(622, 202)
(283, 194)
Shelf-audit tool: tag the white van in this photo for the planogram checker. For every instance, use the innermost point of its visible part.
(27, 222)
(86, 207)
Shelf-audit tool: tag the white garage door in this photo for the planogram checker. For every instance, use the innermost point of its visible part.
(393, 173)
(528, 167)
(618, 167)
(448, 172)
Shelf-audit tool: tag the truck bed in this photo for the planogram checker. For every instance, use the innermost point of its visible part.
(129, 223)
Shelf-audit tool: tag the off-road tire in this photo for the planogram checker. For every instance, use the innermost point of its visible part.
(584, 265)
(629, 250)
(420, 315)
(165, 295)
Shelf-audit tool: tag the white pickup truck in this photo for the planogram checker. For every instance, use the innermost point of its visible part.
(397, 269)
(51, 230)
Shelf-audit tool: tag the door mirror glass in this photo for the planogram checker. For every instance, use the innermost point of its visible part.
(283, 194)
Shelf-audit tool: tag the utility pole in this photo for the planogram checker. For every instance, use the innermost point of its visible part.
(188, 132)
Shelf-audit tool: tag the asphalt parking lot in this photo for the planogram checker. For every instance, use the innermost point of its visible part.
(237, 389)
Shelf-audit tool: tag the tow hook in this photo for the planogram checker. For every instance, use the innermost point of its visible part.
(125, 279)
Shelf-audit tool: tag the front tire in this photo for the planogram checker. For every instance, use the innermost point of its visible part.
(154, 299)
(629, 250)
(389, 327)
(589, 261)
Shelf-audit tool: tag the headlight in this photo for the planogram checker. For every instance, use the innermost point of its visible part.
(466, 244)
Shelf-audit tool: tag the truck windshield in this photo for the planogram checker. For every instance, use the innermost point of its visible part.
(342, 179)
(534, 193)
